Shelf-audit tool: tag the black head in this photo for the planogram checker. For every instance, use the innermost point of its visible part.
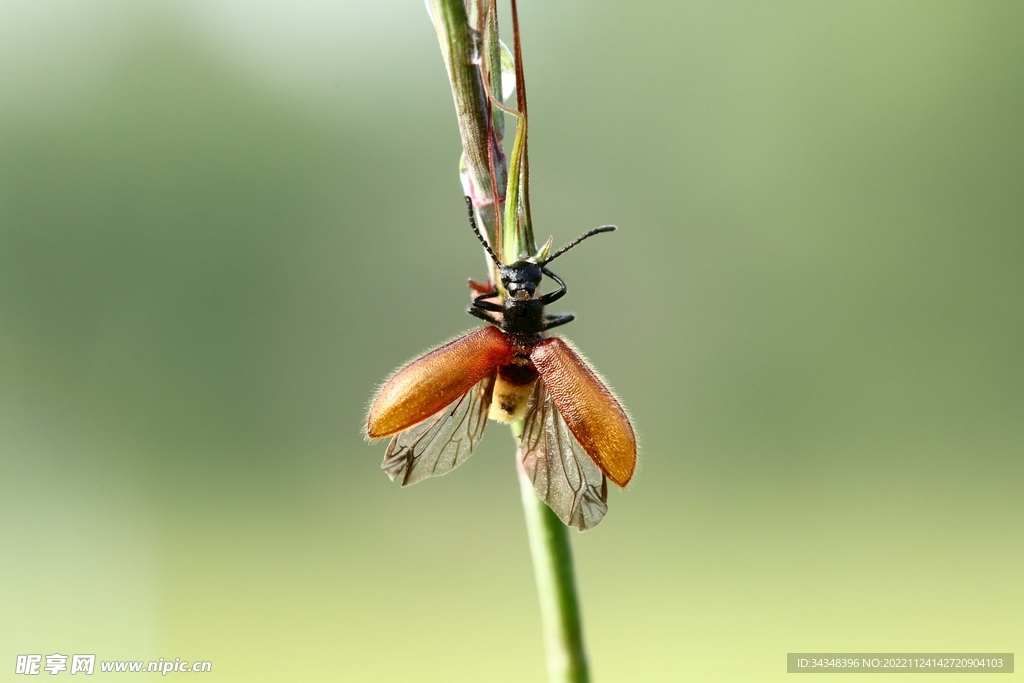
(521, 279)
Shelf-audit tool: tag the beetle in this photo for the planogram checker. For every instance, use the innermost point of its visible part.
(575, 433)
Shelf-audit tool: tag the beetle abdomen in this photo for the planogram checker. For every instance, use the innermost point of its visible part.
(512, 390)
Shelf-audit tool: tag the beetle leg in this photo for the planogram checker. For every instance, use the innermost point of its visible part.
(556, 320)
(551, 297)
(482, 303)
(474, 311)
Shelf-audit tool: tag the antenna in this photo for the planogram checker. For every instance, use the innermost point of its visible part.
(476, 231)
(588, 233)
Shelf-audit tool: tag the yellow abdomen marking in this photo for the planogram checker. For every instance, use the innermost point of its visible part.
(510, 400)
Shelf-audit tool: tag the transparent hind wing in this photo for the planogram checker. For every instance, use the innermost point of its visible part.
(443, 441)
(562, 473)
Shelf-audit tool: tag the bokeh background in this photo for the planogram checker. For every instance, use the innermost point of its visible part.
(223, 223)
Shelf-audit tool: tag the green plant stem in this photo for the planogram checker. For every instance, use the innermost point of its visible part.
(556, 587)
(549, 538)
(460, 44)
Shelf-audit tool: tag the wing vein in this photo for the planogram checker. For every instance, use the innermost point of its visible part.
(441, 442)
(562, 473)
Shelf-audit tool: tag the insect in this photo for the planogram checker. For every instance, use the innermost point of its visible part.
(575, 433)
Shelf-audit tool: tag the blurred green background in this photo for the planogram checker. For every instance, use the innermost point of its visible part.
(223, 223)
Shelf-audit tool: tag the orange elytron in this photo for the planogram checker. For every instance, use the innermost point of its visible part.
(575, 434)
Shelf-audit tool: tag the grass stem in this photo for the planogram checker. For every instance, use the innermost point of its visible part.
(556, 587)
(471, 70)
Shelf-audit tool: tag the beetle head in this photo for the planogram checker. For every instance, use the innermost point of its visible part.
(521, 279)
